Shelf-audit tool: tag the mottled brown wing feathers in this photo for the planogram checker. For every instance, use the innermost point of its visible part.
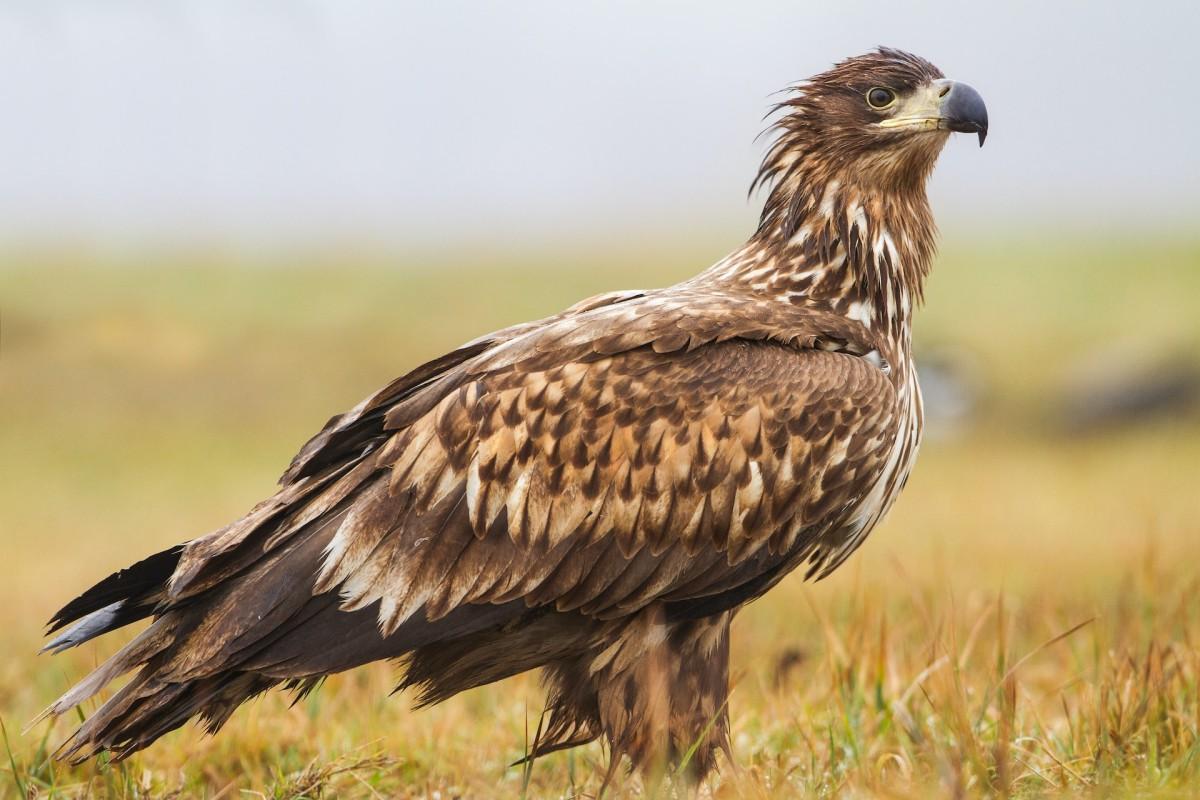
(635, 447)
(603, 485)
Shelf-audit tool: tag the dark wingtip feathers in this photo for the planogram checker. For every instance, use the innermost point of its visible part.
(131, 583)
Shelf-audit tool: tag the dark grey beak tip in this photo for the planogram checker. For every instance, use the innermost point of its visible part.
(965, 112)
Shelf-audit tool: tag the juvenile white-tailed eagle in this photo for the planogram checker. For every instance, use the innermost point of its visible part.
(596, 493)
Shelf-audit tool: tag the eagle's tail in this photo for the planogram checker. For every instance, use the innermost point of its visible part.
(205, 655)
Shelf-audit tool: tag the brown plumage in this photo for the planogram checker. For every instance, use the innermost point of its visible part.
(596, 493)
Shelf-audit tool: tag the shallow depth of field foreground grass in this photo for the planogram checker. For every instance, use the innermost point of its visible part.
(1026, 623)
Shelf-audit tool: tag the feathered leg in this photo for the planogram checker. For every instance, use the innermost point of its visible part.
(658, 692)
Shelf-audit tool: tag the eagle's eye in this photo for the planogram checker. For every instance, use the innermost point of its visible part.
(880, 98)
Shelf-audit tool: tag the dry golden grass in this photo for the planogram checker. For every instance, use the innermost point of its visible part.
(1025, 624)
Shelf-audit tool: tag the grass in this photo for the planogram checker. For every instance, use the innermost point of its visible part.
(1026, 623)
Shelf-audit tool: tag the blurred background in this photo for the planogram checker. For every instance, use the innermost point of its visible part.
(432, 124)
(222, 222)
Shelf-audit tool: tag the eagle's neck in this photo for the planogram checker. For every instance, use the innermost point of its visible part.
(862, 251)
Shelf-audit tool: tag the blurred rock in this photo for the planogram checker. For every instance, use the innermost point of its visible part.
(1119, 389)
(786, 662)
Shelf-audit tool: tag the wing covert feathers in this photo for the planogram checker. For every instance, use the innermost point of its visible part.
(589, 469)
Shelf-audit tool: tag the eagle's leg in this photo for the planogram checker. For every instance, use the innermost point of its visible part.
(657, 690)
(699, 714)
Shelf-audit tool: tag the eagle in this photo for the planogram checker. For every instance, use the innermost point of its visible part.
(595, 494)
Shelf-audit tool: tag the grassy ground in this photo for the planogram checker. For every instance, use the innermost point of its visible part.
(1026, 623)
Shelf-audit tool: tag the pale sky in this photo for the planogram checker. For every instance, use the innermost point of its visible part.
(421, 122)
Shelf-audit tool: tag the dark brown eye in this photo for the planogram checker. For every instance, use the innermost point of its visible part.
(880, 97)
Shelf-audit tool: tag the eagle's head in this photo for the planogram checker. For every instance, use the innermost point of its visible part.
(875, 120)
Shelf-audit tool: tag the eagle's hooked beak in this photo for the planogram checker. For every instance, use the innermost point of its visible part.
(942, 105)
